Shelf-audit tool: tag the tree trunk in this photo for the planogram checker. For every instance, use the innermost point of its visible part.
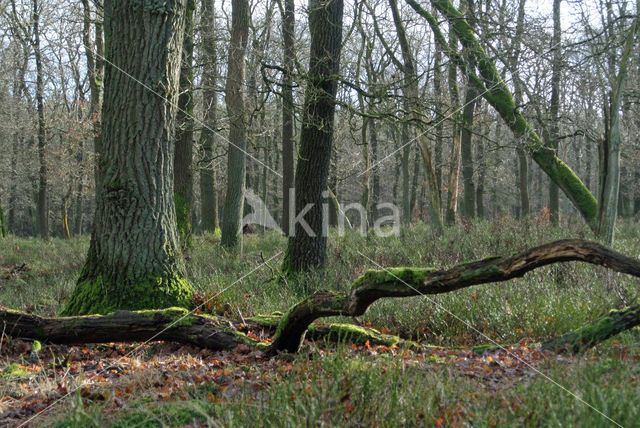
(469, 196)
(183, 155)
(132, 261)
(288, 116)
(43, 207)
(3, 224)
(454, 107)
(95, 64)
(466, 150)
(482, 170)
(499, 96)
(610, 149)
(554, 109)
(406, 151)
(523, 168)
(208, 185)
(411, 94)
(232, 210)
(306, 249)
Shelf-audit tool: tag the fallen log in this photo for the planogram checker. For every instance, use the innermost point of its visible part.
(406, 282)
(218, 333)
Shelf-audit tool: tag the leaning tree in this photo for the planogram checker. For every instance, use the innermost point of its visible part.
(133, 260)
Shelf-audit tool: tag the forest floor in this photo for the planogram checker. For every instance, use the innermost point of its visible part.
(338, 384)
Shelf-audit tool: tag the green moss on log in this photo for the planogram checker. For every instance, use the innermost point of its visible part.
(154, 292)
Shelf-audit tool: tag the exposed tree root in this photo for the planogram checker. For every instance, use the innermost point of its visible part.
(178, 325)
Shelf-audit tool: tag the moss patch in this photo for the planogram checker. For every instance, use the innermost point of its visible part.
(94, 296)
(13, 371)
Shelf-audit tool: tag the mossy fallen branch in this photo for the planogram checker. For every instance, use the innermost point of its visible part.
(406, 282)
(178, 325)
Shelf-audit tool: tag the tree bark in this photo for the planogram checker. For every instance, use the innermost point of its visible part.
(43, 207)
(466, 148)
(208, 185)
(3, 224)
(132, 261)
(288, 116)
(554, 109)
(183, 154)
(232, 210)
(95, 64)
(610, 148)
(306, 249)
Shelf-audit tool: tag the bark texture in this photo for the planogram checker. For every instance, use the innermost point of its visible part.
(208, 191)
(133, 255)
(234, 96)
(288, 117)
(306, 249)
(183, 155)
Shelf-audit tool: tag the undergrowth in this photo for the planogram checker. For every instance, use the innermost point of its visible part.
(356, 390)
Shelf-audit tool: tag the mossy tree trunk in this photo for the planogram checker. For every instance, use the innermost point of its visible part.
(208, 190)
(133, 260)
(495, 91)
(183, 155)
(306, 249)
(232, 210)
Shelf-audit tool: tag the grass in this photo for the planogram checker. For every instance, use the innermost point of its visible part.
(344, 387)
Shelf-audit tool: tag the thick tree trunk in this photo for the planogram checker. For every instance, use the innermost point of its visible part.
(183, 155)
(232, 210)
(208, 185)
(306, 249)
(288, 117)
(132, 261)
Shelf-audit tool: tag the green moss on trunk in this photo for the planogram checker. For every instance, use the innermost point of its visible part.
(94, 296)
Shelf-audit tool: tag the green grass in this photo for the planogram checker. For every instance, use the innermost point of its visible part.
(385, 391)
